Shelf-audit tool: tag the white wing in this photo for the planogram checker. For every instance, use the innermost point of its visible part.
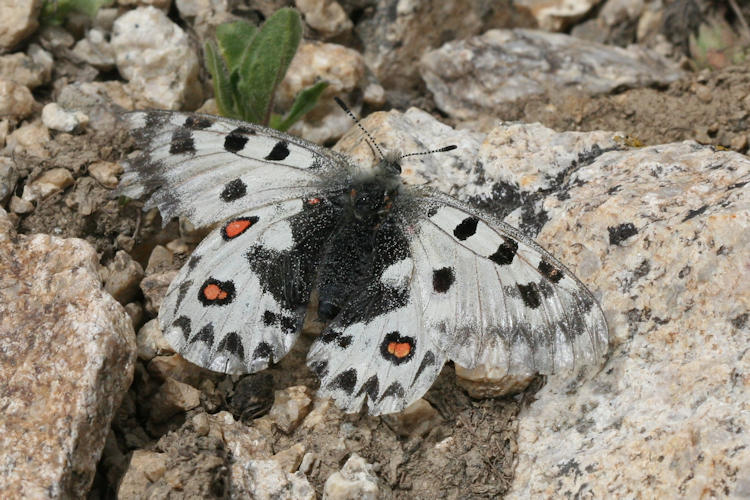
(490, 295)
(210, 169)
(238, 303)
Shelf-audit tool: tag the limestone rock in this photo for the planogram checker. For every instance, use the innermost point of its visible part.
(326, 17)
(151, 343)
(662, 234)
(122, 277)
(51, 181)
(32, 69)
(96, 50)
(55, 117)
(480, 74)
(155, 56)
(266, 480)
(290, 407)
(16, 100)
(18, 19)
(68, 357)
(355, 480)
(30, 139)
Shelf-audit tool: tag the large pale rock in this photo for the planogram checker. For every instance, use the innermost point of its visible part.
(479, 74)
(18, 19)
(662, 234)
(155, 56)
(399, 32)
(67, 359)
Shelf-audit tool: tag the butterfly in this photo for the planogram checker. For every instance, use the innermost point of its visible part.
(406, 278)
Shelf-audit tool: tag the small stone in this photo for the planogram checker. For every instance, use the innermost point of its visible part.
(308, 463)
(106, 173)
(486, 382)
(30, 70)
(151, 343)
(556, 15)
(157, 59)
(160, 259)
(290, 459)
(326, 17)
(176, 367)
(253, 396)
(20, 206)
(265, 480)
(135, 311)
(8, 178)
(4, 130)
(417, 419)
(56, 118)
(18, 19)
(374, 95)
(738, 143)
(51, 181)
(355, 480)
(291, 405)
(16, 100)
(178, 246)
(96, 50)
(30, 139)
(173, 397)
(154, 287)
(144, 468)
(201, 424)
(703, 93)
(123, 277)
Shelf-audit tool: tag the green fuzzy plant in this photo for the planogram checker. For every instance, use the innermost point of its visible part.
(247, 65)
(56, 11)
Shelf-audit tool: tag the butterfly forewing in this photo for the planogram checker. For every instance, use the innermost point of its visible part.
(493, 296)
(209, 168)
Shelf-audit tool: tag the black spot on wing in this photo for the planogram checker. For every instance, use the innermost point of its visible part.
(442, 279)
(395, 389)
(269, 318)
(341, 340)
(505, 253)
(396, 348)
(263, 351)
(193, 261)
(618, 234)
(233, 344)
(182, 142)
(279, 152)
(155, 120)
(549, 271)
(205, 334)
(197, 122)
(234, 142)
(183, 323)
(182, 290)
(530, 295)
(234, 190)
(427, 361)
(288, 324)
(371, 388)
(466, 228)
(345, 381)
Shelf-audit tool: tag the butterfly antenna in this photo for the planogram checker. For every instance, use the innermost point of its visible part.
(370, 140)
(441, 150)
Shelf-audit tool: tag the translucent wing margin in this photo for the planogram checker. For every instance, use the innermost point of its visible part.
(210, 169)
(490, 295)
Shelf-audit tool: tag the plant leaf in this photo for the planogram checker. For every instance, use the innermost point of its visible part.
(304, 102)
(233, 39)
(55, 11)
(223, 89)
(265, 62)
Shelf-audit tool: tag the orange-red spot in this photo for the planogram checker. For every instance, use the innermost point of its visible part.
(214, 292)
(237, 227)
(399, 349)
(313, 201)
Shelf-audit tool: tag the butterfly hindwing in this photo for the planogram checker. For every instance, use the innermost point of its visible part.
(209, 168)
(376, 348)
(492, 296)
(238, 303)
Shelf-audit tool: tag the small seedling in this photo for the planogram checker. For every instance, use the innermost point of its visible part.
(247, 65)
(56, 11)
